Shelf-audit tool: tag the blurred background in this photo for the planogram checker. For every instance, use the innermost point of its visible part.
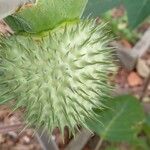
(130, 23)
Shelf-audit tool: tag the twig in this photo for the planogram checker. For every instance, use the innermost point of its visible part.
(129, 57)
(147, 82)
(98, 146)
(46, 141)
(79, 140)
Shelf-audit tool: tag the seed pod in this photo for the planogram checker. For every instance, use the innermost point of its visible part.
(59, 77)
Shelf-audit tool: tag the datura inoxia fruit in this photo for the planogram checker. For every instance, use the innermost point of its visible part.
(59, 77)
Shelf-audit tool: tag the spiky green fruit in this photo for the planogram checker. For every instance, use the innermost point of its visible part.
(60, 77)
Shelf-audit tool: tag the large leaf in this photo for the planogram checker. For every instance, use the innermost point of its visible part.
(121, 122)
(97, 7)
(46, 14)
(146, 126)
(137, 11)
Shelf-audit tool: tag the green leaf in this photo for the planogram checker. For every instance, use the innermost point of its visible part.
(121, 122)
(45, 15)
(112, 148)
(137, 11)
(146, 126)
(140, 144)
(97, 7)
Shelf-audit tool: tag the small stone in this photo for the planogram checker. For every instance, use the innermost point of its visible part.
(142, 68)
(134, 79)
(14, 120)
(13, 136)
(25, 140)
(146, 99)
(29, 133)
